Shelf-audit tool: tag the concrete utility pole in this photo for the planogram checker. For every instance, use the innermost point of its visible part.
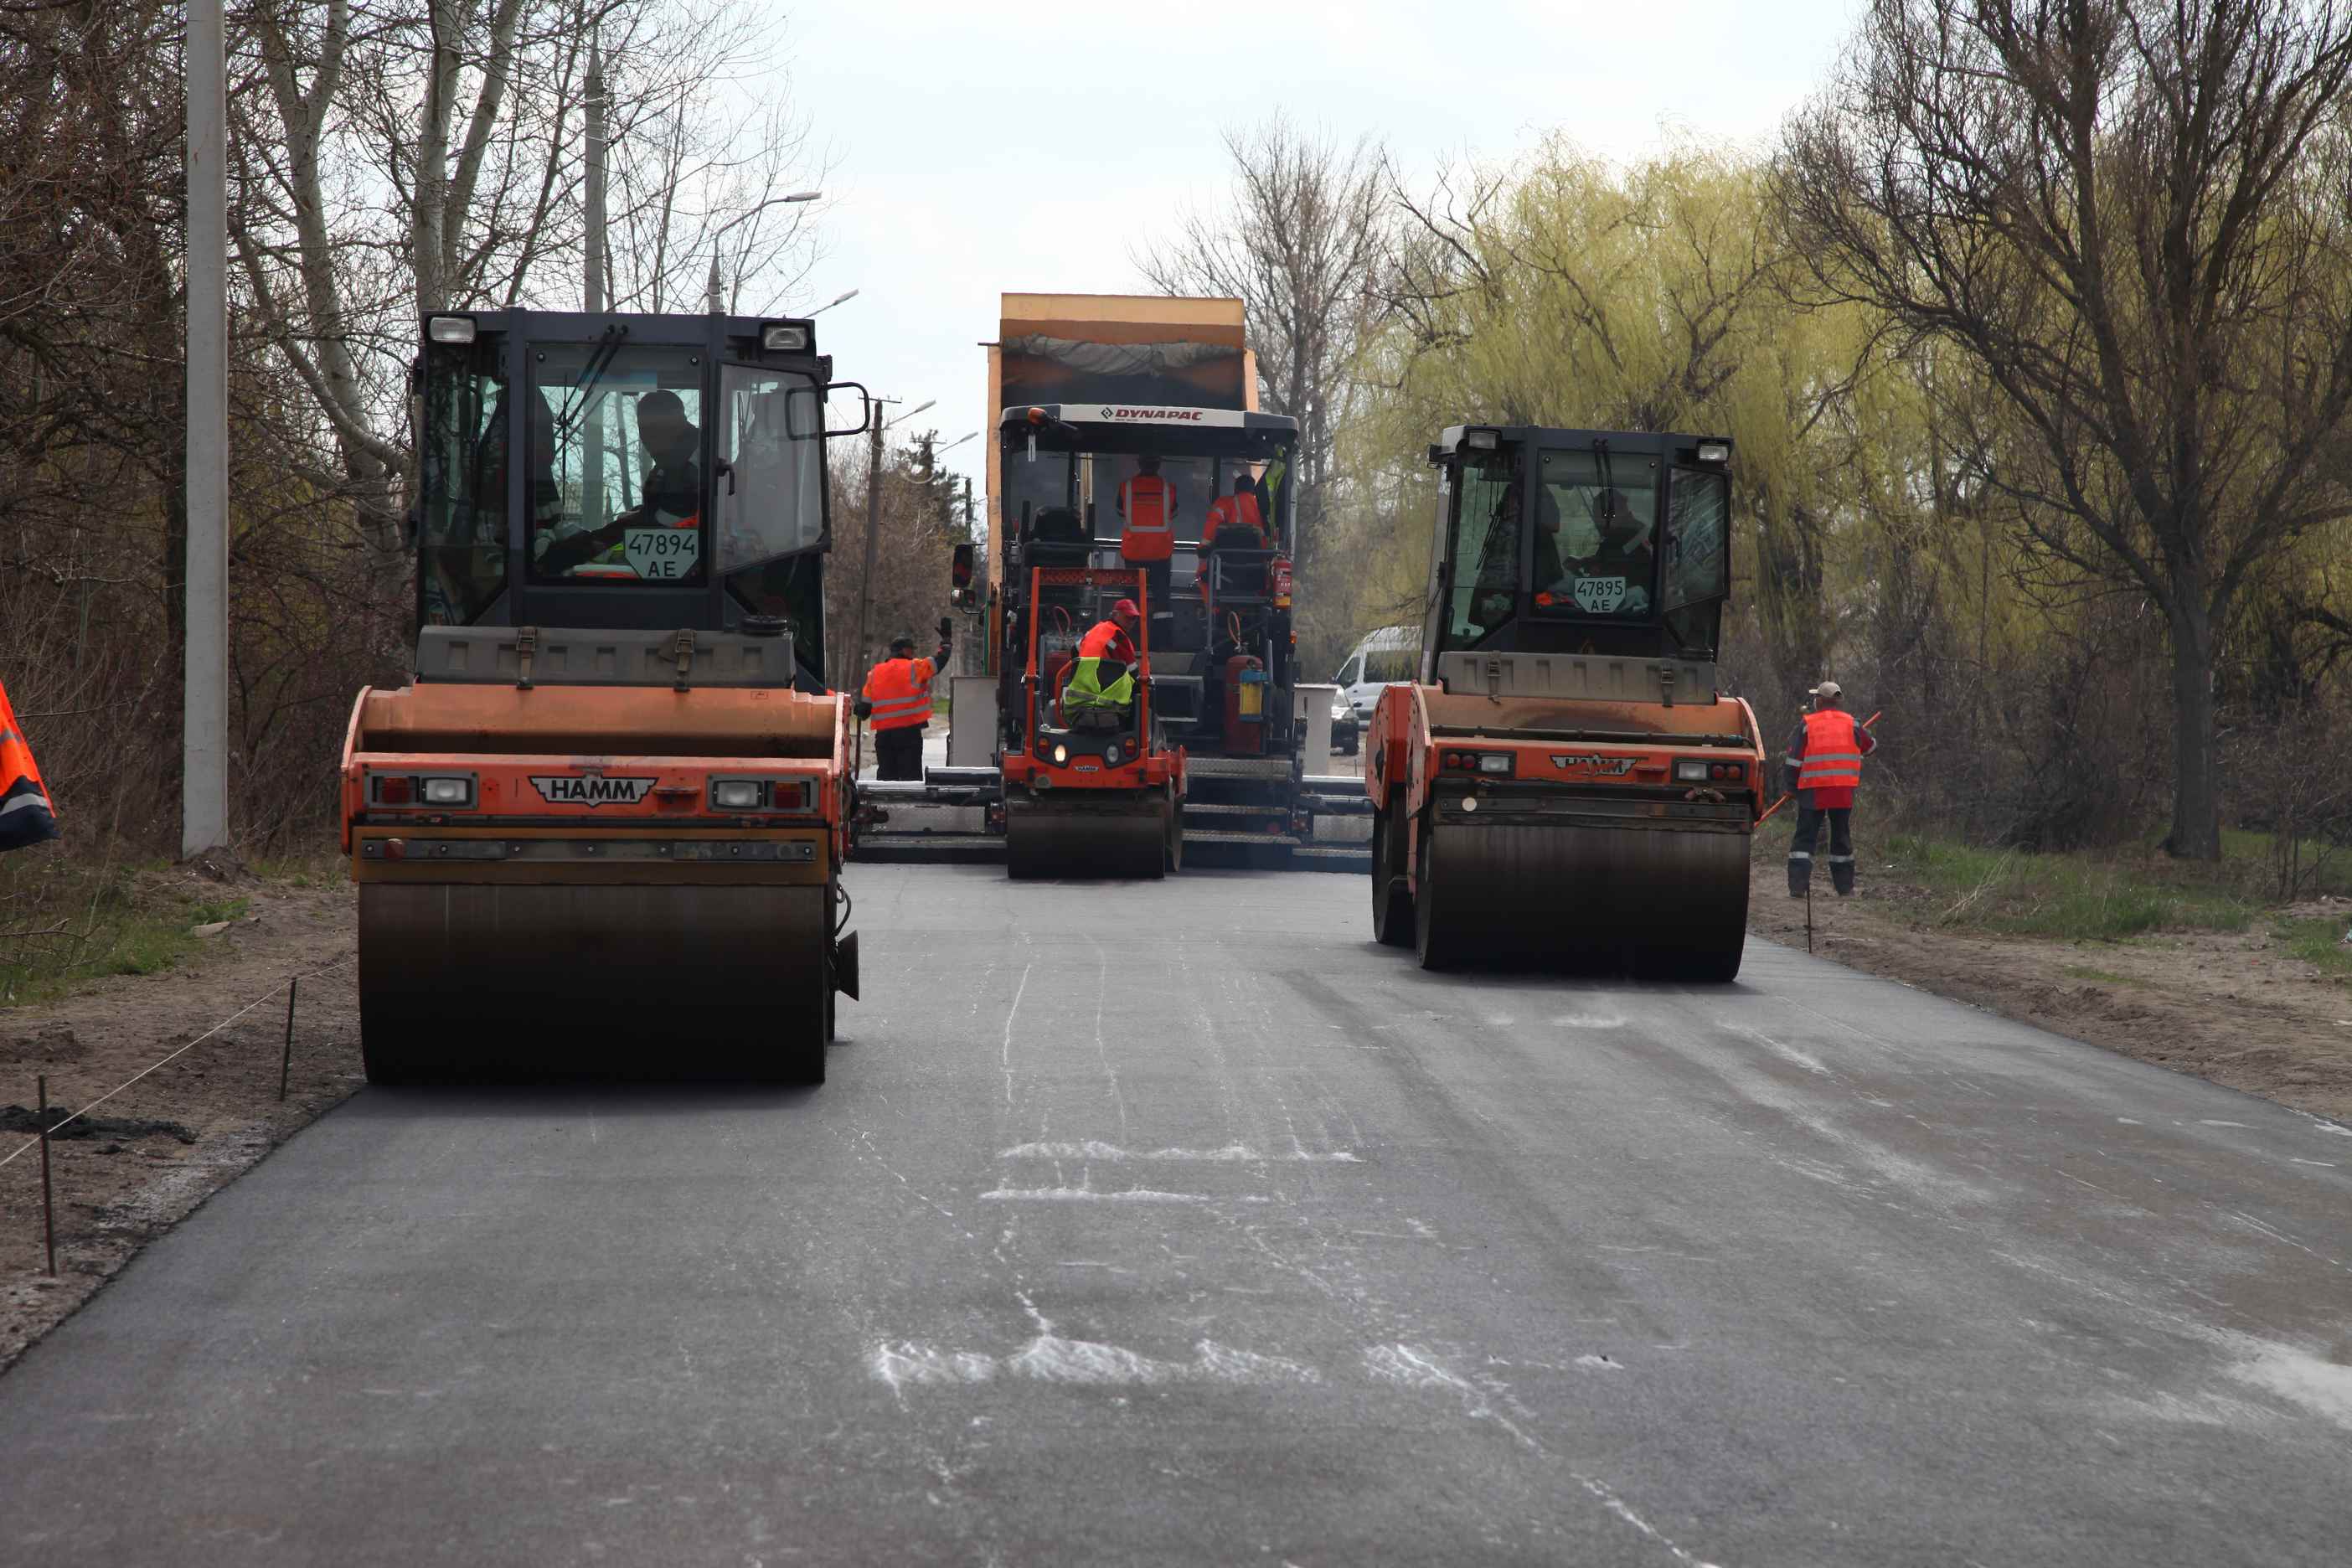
(203, 717)
(595, 291)
(873, 529)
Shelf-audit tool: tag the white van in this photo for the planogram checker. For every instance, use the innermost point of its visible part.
(1388, 657)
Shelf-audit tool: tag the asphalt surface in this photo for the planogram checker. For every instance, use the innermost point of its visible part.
(1179, 1223)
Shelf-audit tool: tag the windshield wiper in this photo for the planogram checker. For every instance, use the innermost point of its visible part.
(609, 346)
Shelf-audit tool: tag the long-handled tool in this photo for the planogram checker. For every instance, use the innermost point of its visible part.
(1777, 805)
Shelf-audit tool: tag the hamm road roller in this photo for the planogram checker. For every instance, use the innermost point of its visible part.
(1564, 783)
(602, 828)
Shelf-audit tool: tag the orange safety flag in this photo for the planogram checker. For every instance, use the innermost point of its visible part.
(1147, 502)
(27, 817)
(900, 691)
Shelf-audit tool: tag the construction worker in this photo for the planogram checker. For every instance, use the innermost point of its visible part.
(27, 816)
(1146, 509)
(673, 491)
(1825, 764)
(1238, 512)
(896, 700)
(1103, 675)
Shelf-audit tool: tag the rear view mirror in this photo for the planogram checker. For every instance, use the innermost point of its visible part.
(959, 580)
(835, 427)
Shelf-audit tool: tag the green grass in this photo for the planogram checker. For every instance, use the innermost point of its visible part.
(64, 920)
(2321, 943)
(2073, 897)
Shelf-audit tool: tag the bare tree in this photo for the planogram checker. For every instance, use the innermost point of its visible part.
(398, 157)
(2130, 218)
(1297, 244)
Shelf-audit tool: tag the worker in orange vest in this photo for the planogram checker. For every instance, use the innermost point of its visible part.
(1238, 512)
(1146, 509)
(896, 699)
(27, 816)
(1825, 758)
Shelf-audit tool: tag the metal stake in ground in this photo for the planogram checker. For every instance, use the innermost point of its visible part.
(286, 1061)
(1809, 915)
(49, 1206)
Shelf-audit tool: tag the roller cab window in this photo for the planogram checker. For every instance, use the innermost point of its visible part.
(620, 434)
(1697, 556)
(461, 513)
(1483, 546)
(1595, 540)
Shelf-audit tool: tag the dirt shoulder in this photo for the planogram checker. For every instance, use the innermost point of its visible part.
(151, 1153)
(2236, 1007)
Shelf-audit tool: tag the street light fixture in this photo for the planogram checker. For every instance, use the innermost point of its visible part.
(727, 228)
(911, 413)
(841, 298)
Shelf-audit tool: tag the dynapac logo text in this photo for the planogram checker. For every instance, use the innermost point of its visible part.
(1192, 414)
(1612, 766)
(590, 789)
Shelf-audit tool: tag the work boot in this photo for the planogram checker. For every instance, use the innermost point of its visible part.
(1800, 873)
(1842, 875)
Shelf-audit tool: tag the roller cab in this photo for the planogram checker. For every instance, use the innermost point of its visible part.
(602, 828)
(1564, 783)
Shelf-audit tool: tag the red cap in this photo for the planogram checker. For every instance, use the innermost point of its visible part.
(1125, 607)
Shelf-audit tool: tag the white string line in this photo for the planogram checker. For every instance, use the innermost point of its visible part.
(191, 1045)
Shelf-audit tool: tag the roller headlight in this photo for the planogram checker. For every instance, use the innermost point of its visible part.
(448, 791)
(1110, 754)
(1495, 761)
(1061, 754)
(737, 795)
(1692, 770)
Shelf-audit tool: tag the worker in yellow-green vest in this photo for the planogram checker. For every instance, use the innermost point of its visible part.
(1103, 674)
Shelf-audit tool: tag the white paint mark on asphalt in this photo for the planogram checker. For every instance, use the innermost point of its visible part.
(1235, 1154)
(1050, 1358)
(1116, 1195)
(2209, 1122)
(1600, 1364)
(2319, 1385)
(1226, 1364)
(2323, 1164)
(905, 1363)
(1616, 1505)
(1590, 1021)
(1415, 1366)
(1781, 1048)
(2129, 1123)
(1005, 1053)
(2338, 1128)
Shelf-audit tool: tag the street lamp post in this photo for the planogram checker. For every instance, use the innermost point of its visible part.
(841, 298)
(874, 526)
(714, 299)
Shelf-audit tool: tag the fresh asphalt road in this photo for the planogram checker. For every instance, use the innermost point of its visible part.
(1179, 1223)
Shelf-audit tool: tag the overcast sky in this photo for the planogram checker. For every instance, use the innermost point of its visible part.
(982, 148)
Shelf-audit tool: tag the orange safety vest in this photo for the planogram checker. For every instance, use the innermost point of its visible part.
(1833, 757)
(1147, 502)
(900, 691)
(27, 816)
(1224, 511)
(1105, 639)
